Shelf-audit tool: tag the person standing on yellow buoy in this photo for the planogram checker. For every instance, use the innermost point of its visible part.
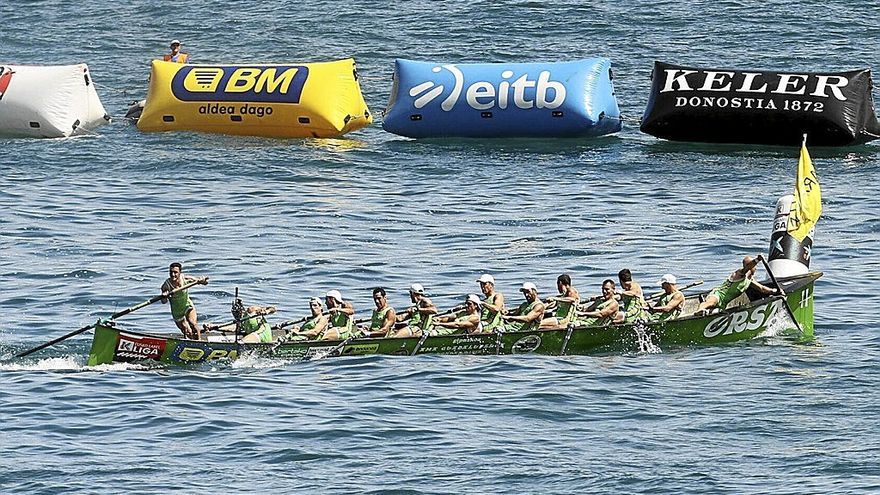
(176, 55)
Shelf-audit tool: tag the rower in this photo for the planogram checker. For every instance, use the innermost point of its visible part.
(602, 311)
(529, 314)
(631, 297)
(254, 325)
(384, 317)
(419, 316)
(467, 322)
(314, 325)
(670, 304)
(182, 308)
(565, 303)
(492, 305)
(341, 313)
(176, 55)
(734, 286)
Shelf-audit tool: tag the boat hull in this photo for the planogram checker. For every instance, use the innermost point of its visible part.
(757, 318)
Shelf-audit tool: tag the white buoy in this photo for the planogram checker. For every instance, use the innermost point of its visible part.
(787, 256)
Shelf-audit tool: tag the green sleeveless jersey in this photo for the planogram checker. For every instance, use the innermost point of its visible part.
(728, 291)
(633, 307)
(675, 313)
(343, 322)
(524, 326)
(378, 318)
(491, 319)
(179, 301)
(257, 324)
(565, 310)
(597, 322)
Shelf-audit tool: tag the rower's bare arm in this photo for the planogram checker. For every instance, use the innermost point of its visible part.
(763, 288)
(428, 307)
(498, 305)
(390, 318)
(537, 313)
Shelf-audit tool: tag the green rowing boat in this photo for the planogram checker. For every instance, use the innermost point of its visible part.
(748, 317)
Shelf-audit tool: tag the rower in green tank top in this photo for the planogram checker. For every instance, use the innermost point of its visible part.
(254, 325)
(182, 308)
(670, 304)
(419, 316)
(383, 318)
(565, 303)
(314, 326)
(603, 311)
(492, 306)
(529, 314)
(734, 286)
(631, 297)
(341, 317)
(467, 322)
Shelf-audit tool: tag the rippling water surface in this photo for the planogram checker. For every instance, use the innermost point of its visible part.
(89, 225)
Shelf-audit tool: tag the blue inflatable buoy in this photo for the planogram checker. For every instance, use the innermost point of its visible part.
(563, 99)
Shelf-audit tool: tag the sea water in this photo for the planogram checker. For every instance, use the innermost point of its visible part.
(89, 225)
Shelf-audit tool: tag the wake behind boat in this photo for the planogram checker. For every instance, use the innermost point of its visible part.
(744, 319)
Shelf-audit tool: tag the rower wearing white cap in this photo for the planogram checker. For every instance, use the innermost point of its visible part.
(669, 306)
(492, 305)
(419, 315)
(529, 314)
(176, 55)
(314, 325)
(341, 317)
(468, 322)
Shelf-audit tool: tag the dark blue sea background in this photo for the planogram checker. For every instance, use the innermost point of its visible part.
(89, 225)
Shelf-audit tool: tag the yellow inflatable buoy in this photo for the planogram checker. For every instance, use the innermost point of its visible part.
(279, 100)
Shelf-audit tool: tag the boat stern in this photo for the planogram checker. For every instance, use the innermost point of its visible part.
(103, 344)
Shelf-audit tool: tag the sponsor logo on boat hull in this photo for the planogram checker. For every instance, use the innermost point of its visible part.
(137, 348)
(741, 321)
(190, 353)
(525, 345)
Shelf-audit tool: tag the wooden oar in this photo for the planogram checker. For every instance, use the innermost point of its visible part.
(113, 317)
(781, 294)
(662, 293)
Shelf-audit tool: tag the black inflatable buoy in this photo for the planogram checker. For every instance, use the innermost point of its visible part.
(760, 107)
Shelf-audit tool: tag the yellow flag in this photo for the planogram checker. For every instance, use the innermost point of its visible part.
(807, 204)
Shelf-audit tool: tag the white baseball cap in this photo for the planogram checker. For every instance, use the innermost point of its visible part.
(667, 279)
(486, 279)
(473, 298)
(417, 289)
(527, 286)
(335, 294)
(175, 42)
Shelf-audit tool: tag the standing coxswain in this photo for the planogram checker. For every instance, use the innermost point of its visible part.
(182, 308)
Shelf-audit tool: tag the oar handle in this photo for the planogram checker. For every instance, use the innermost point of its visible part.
(285, 324)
